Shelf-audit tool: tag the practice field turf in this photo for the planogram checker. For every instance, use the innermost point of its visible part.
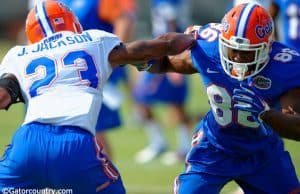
(152, 178)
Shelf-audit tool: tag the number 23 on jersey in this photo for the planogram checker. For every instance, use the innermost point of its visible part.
(44, 71)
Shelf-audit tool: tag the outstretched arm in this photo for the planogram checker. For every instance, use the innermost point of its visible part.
(144, 50)
(181, 63)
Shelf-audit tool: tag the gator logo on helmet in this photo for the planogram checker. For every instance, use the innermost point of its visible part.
(262, 82)
(262, 31)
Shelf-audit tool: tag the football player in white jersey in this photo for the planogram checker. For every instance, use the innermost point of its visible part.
(60, 77)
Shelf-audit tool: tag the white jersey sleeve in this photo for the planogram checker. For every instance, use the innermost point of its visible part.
(107, 42)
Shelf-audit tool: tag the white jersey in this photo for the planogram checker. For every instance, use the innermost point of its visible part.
(62, 76)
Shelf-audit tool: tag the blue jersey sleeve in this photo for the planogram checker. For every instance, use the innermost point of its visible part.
(289, 70)
(206, 51)
(283, 68)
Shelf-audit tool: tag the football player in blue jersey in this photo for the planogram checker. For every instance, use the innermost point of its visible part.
(60, 76)
(253, 87)
(286, 14)
(118, 17)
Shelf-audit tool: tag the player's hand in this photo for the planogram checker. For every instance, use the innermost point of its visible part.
(245, 99)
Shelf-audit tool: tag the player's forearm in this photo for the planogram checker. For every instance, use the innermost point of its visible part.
(5, 98)
(167, 44)
(286, 125)
(181, 63)
(142, 51)
(160, 66)
(177, 42)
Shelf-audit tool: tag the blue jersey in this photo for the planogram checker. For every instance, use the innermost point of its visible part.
(228, 144)
(290, 17)
(228, 129)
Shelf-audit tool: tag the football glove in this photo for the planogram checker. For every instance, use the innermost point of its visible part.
(245, 99)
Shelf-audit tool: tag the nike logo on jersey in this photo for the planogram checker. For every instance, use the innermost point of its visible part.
(208, 70)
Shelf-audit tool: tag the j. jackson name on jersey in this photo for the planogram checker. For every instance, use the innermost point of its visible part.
(55, 42)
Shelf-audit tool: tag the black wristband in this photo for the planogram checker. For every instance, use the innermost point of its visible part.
(13, 88)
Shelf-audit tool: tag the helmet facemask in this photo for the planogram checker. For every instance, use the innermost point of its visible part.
(242, 70)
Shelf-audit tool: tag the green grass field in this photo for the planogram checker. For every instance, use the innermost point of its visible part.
(152, 178)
